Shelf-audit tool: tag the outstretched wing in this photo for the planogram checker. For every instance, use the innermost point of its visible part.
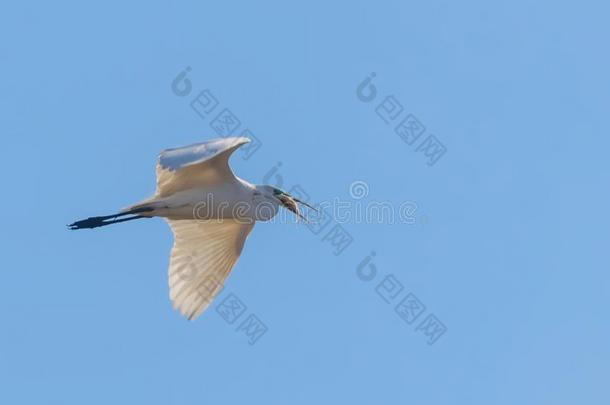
(201, 164)
(203, 255)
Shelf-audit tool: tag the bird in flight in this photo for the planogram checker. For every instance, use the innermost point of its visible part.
(211, 213)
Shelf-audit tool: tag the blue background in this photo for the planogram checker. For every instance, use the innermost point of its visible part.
(509, 251)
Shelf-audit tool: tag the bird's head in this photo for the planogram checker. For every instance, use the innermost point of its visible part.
(285, 200)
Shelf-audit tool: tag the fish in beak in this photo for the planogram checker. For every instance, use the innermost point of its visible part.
(290, 203)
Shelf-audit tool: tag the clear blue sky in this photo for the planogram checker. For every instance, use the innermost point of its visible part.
(509, 249)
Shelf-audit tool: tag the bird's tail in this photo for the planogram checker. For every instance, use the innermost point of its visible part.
(96, 222)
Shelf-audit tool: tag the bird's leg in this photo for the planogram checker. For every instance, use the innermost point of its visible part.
(96, 222)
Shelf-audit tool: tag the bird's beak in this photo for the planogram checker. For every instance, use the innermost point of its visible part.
(290, 203)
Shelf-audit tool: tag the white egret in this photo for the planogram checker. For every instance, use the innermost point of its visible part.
(211, 213)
